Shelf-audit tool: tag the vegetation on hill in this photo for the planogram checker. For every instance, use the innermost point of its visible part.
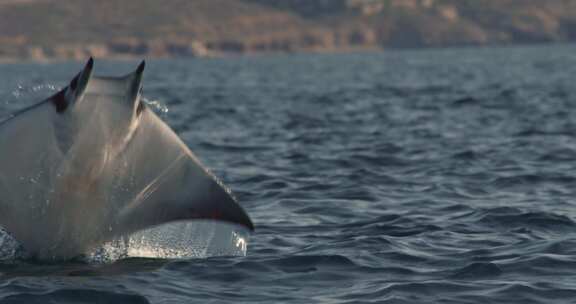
(44, 29)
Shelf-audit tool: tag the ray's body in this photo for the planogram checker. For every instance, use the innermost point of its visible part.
(92, 163)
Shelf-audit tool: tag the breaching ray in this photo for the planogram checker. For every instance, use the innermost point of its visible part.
(92, 163)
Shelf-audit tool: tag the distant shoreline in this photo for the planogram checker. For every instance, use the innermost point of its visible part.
(49, 30)
(221, 54)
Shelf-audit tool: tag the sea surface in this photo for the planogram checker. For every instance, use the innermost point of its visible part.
(432, 176)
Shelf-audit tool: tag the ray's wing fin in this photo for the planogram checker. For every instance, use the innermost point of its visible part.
(31, 133)
(167, 182)
(32, 144)
(31, 154)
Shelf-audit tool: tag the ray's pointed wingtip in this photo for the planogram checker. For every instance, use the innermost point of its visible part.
(141, 67)
(251, 227)
(246, 222)
(90, 63)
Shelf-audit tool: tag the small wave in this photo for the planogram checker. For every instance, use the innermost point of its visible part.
(478, 271)
(541, 133)
(391, 225)
(532, 293)
(541, 264)
(466, 155)
(75, 296)
(559, 155)
(531, 220)
(531, 179)
(309, 261)
(465, 101)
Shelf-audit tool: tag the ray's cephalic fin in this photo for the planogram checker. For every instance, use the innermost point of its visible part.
(135, 90)
(74, 90)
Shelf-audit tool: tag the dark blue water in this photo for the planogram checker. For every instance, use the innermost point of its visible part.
(443, 176)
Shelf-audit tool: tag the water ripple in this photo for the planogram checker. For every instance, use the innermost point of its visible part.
(440, 176)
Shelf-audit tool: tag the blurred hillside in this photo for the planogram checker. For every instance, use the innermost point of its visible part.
(63, 29)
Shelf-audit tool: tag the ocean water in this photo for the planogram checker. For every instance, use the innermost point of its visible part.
(434, 176)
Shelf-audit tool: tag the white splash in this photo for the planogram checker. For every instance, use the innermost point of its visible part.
(27, 90)
(9, 247)
(179, 240)
(157, 106)
(24, 95)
